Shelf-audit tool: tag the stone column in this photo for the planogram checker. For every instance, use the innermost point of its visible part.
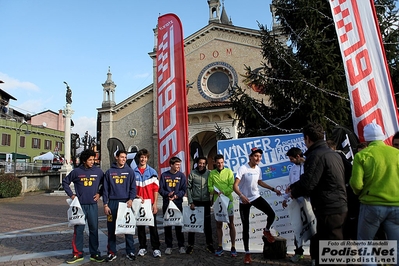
(67, 167)
(68, 112)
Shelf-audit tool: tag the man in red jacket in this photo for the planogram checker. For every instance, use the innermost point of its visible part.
(147, 185)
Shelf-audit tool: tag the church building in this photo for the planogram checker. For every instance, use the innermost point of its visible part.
(215, 56)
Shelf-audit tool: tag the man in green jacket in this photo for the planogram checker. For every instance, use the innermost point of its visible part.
(375, 178)
(198, 196)
(221, 181)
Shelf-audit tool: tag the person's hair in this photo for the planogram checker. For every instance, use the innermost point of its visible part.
(174, 160)
(202, 158)
(314, 131)
(294, 152)
(86, 154)
(361, 146)
(119, 152)
(396, 136)
(143, 152)
(218, 156)
(331, 144)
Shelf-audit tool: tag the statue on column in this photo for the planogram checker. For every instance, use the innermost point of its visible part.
(68, 95)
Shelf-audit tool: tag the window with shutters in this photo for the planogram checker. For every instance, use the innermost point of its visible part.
(58, 146)
(22, 141)
(5, 140)
(36, 143)
(47, 144)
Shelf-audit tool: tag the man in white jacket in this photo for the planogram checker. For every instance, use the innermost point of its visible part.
(296, 157)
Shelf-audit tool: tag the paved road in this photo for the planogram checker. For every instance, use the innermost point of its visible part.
(33, 231)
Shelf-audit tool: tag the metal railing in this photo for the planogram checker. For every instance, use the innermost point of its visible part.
(22, 167)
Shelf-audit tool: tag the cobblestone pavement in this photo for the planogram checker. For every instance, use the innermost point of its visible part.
(33, 231)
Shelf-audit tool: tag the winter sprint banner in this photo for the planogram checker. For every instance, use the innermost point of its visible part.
(275, 167)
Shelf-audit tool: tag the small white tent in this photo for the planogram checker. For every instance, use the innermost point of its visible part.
(44, 157)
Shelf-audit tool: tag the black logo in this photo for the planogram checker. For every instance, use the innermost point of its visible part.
(304, 217)
(171, 212)
(75, 210)
(142, 212)
(193, 219)
(220, 207)
(127, 217)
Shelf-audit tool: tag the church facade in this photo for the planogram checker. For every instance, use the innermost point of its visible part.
(215, 56)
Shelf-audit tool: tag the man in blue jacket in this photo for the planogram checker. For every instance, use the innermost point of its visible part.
(87, 180)
(173, 186)
(119, 186)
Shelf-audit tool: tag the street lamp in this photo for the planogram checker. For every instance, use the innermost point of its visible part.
(88, 141)
(27, 132)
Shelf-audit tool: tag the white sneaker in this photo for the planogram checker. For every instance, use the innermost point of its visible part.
(111, 257)
(142, 252)
(182, 250)
(157, 253)
(168, 251)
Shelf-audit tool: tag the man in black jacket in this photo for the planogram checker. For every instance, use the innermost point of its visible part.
(323, 181)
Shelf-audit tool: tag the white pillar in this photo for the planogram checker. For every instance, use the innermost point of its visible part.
(67, 167)
(68, 112)
(24, 182)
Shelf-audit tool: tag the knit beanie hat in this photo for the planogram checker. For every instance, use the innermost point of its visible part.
(372, 132)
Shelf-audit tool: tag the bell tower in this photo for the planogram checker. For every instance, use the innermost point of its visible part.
(214, 11)
(109, 91)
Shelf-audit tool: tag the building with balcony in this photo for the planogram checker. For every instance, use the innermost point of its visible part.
(25, 136)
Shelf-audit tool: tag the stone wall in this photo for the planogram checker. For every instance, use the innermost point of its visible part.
(34, 182)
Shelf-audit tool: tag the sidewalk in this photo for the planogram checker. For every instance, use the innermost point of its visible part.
(34, 231)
